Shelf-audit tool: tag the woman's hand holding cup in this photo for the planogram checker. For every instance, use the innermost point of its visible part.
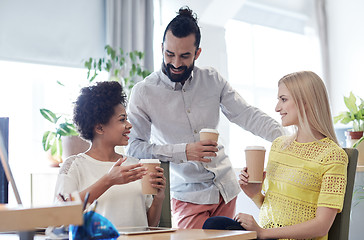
(250, 189)
(158, 181)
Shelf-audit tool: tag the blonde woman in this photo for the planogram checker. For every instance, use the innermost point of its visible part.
(305, 177)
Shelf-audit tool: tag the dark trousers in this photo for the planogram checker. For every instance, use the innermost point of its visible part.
(222, 223)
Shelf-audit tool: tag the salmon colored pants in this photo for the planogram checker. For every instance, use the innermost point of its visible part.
(190, 215)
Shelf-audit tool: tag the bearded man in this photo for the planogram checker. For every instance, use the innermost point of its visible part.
(171, 106)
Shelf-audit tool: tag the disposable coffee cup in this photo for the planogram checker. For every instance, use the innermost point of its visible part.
(209, 134)
(150, 164)
(254, 157)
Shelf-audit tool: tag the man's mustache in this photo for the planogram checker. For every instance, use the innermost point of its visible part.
(178, 69)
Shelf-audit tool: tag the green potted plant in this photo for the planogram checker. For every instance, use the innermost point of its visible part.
(122, 67)
(51, 140)
(354, 115)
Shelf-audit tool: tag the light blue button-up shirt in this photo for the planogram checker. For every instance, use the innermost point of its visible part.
(167, 115)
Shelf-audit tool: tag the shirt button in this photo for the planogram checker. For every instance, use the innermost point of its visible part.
(195, 131)
(184, 90)
(188, 111)
(181, 161)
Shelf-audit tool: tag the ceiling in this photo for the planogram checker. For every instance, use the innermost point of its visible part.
(217, 12)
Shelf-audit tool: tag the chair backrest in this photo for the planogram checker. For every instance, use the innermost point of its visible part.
(340, 228)
(165, 220)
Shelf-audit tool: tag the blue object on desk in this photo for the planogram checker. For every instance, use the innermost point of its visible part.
(94, 226)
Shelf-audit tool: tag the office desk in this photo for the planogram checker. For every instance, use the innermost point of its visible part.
(193, 234)
(181, 234)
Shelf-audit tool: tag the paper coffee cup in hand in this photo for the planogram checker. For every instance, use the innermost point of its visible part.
(150, 164)
(209, 134)
(254, 157)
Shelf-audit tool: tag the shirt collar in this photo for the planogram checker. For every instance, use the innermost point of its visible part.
(174, 86)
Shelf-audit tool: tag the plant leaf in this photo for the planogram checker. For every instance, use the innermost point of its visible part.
(67, 129)
(45, 141)
(343, 117)
(59, 83)
(350, 103)
(93, 77)
(108, 66)
(122, 61)
(49, 139)
(361, 105)
(358, 142)
(49, 115)
(108, 49)
(116, 72)
(141, 55)
(99, 65)
(145, 73)
(110, 52)
(132, 56)
(54, 148)
(88, 63)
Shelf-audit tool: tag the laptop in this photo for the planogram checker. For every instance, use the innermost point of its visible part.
(143, 230)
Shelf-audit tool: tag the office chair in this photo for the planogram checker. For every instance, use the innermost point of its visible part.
(340, 228)
(165, 220)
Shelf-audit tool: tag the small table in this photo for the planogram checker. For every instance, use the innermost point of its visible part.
(193, 234)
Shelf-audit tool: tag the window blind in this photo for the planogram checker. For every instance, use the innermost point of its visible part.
(51, 31)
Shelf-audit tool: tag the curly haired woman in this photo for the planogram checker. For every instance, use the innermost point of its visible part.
(109, 177)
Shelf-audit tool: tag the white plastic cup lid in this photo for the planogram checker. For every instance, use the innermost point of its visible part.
(209, 130)
(255, 148)
(150, 161)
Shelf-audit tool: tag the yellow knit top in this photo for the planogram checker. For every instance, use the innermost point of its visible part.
(300, 178)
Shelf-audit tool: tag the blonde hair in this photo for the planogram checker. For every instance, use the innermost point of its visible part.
(311, 99)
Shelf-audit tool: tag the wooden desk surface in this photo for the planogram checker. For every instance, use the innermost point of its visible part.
(180, 234)
(193, 234)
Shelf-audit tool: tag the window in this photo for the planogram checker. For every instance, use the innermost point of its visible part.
(24, 89)
(258, 57)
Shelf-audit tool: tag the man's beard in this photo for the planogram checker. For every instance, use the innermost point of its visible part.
(178, 77)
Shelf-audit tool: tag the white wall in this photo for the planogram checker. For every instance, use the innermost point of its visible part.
(346, 47)
(214, 55)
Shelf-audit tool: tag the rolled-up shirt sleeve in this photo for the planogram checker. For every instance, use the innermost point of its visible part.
(140, 145)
